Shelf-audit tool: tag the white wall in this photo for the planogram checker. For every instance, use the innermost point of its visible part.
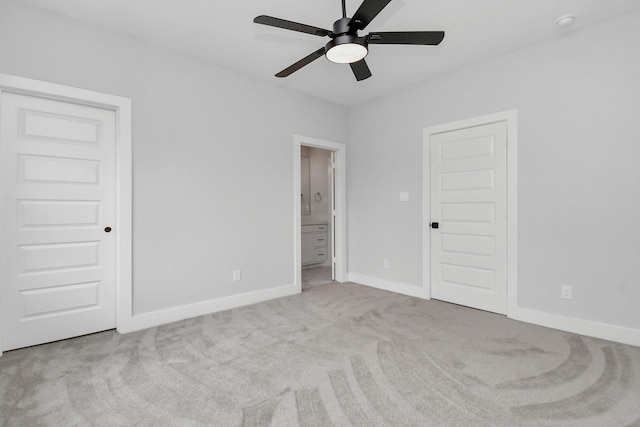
(213, 165)
(319, 160)
(320, 183)
(319, 169)
(578, 98)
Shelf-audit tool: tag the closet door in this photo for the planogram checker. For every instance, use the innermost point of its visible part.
(58, 177)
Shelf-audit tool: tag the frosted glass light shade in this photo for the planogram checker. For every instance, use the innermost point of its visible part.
(346, 53)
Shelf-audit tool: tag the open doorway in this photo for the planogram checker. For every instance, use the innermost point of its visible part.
(319, 194)
(316, 231)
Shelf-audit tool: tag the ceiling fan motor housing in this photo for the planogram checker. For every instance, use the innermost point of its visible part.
(344, 34)
(344, 26)
(345, 39)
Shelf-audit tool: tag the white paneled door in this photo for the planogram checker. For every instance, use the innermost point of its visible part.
(57, 254)
(469, 217)
(332, 230)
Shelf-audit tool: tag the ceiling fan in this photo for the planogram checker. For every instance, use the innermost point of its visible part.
(346, 47)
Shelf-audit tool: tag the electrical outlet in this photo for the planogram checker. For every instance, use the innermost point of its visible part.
(236, 275)
(566, 292)
(385, 264)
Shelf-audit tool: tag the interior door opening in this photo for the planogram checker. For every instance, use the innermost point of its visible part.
(319, 212)
(317, 206)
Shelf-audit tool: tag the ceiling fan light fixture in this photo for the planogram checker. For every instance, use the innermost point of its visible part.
(346, 49)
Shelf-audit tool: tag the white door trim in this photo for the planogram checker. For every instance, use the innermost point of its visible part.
(341, 204)
(122, 108)
(511, 118)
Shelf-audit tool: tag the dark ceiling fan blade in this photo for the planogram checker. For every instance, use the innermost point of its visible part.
(406, 37)
(360, 70)
(290, 25)
(368, 10)
(304, 61)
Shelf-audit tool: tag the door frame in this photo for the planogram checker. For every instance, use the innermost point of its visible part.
(123, 224)
(511, 119)
(340, 195)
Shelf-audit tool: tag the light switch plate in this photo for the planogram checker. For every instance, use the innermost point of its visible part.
(404, 196)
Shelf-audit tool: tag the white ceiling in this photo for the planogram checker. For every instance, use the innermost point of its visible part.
(224, 33)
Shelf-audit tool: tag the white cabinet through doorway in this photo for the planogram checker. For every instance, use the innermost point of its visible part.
(314, 244)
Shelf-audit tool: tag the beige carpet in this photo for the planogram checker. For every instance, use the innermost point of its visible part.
(334, 355)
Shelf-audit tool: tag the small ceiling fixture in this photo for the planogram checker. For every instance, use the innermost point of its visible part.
(565, 21)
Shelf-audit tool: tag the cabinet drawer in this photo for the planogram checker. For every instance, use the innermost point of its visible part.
(320, 239)
(319, 228)
(320, 254)
(308, 228)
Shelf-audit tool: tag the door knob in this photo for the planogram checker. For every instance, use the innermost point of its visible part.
(107, 229)
(434, 225)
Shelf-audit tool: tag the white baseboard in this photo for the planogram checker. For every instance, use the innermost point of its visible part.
(579, 326)
(387, 285)
(589, 328)
(174, 314)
